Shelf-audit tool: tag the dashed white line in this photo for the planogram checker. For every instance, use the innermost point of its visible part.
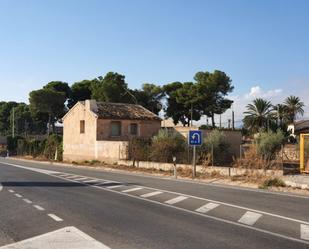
(249, 218)
(18, 195)
(115, 186)
(55, 217)
(11, 191)
(304, 232)
(39, 207)
(131, 190)
(151, 194)
(74, 176)
(82, 178)
(206, 208)
(27, 201)
(90, 181)
(176, 200)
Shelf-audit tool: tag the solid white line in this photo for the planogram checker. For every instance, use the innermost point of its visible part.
(55, 217)
(39, 207)
(304, 232)
(131, 190)
(206, 208)
(1, 187)
(151, 194)
(116, 186)
(18, 195)
(249, 218)
(27, 201)
(11, 191)
(176, 200)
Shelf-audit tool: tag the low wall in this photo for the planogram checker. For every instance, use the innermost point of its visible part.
(224, 171)
(111, 150)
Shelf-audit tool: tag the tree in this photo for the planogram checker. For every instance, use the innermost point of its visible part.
(5, 112)
(149, 96)
(59, 86)
(22, 119)
(181, 102)
(112, 88)
(294, 107)
(80, 91)
(50, 102)
(281, 114)
(258, 114)
(212, 89)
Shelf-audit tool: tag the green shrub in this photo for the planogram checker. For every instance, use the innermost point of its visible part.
(216, 141)
(269, 144)
(139, 149)
(53, 147)
(167, 144)
(274, 182)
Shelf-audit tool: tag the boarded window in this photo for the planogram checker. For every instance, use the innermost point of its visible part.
(82, 126)
(133, 129)
(115, 128)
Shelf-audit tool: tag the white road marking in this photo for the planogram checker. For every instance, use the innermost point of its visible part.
(1, 187)
(201, 214)
(73, 177)
(18, 195)
(304, 232)
(82, 178)
(64, 238)
(206, 208)
(89, 181)
(151, 194)
(27, 201)
(39, 207)
(55, 217)
(11, 191)
(115, 186)
(249, 218)
(131, 190)
(176, 200)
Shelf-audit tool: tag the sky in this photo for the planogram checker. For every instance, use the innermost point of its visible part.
(261, 44)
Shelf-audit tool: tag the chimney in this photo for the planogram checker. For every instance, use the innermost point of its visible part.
(91, 104)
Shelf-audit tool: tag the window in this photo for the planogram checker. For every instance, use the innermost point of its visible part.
(133, 129)
(115, 128)
(82, 126)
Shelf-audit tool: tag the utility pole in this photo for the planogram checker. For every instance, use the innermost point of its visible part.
(233, 120)
(13, 121)
(229, 124)
(191, 114)
(220, 122)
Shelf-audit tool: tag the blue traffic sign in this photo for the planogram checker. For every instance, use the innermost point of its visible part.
(195, 137)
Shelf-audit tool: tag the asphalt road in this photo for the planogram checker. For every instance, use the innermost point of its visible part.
(133, 211)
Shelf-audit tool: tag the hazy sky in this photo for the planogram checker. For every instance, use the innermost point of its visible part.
(262, 45)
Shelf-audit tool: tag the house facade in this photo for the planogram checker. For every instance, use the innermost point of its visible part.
(101, 131)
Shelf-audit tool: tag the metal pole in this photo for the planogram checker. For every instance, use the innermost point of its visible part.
(194, 162)
(212, 154)
(233, 120)
(191, 114)
(13, 126)
(240, 153)
(220, 122)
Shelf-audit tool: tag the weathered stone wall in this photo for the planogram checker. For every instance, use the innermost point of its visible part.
(79, 146)
(224, 171)
(146, 129)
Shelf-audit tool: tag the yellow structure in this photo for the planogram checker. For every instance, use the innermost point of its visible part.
(304, 139)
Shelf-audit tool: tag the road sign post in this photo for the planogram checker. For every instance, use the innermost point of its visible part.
(194, 139)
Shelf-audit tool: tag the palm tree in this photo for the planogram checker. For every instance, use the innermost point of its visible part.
(281, 114)
(258, 114)
(294, 107)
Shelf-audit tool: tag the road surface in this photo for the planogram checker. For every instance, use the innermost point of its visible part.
(124, 210)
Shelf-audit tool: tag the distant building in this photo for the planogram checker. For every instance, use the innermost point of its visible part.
(101, 131)
(299, 127)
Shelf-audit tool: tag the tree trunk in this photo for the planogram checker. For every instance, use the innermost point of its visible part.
(49, 121)
(213, 120)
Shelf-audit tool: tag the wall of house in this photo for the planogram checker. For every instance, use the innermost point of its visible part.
(111, 151)
(79, 146)
(145, 129)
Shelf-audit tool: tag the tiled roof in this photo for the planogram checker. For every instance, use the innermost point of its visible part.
(302, 125)
(124, 111)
